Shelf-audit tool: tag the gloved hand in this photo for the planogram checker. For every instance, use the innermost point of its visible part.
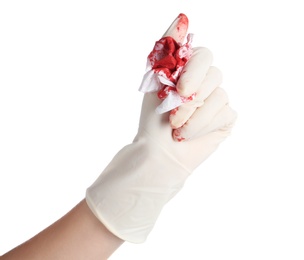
(143, 176)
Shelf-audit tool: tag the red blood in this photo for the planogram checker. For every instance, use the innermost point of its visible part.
(168, 62)
(165, 60)
(174, 111)
(164, 92)
(180, 139)
(169, 57)
(163, 54)
(190, 98)
(182, 22)
(181, 27)
(165, 71)
(177, 136)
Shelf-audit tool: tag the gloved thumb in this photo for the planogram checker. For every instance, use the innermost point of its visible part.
(157, 58)
(178, 29)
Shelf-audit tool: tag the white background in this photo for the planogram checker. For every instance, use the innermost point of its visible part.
(69, 100)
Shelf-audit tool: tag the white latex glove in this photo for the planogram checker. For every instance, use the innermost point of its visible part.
(143, 176)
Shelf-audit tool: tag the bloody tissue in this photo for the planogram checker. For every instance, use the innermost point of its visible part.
(164, 66)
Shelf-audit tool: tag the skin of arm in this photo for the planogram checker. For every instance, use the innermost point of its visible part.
(77, 235)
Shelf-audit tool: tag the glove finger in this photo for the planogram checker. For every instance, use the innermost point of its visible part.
(194, 71)
(178, 29)
(221, 121)
(212, 80)
(181, 114)
(202, 147)
(212, 115)
(149, 118)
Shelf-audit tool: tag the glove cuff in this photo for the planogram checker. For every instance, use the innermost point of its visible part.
(129, 194)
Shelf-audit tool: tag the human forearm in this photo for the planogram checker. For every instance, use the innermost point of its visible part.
(77, 235)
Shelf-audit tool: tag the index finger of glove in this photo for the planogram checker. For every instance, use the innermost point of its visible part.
(178, 29)
(194, 71)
